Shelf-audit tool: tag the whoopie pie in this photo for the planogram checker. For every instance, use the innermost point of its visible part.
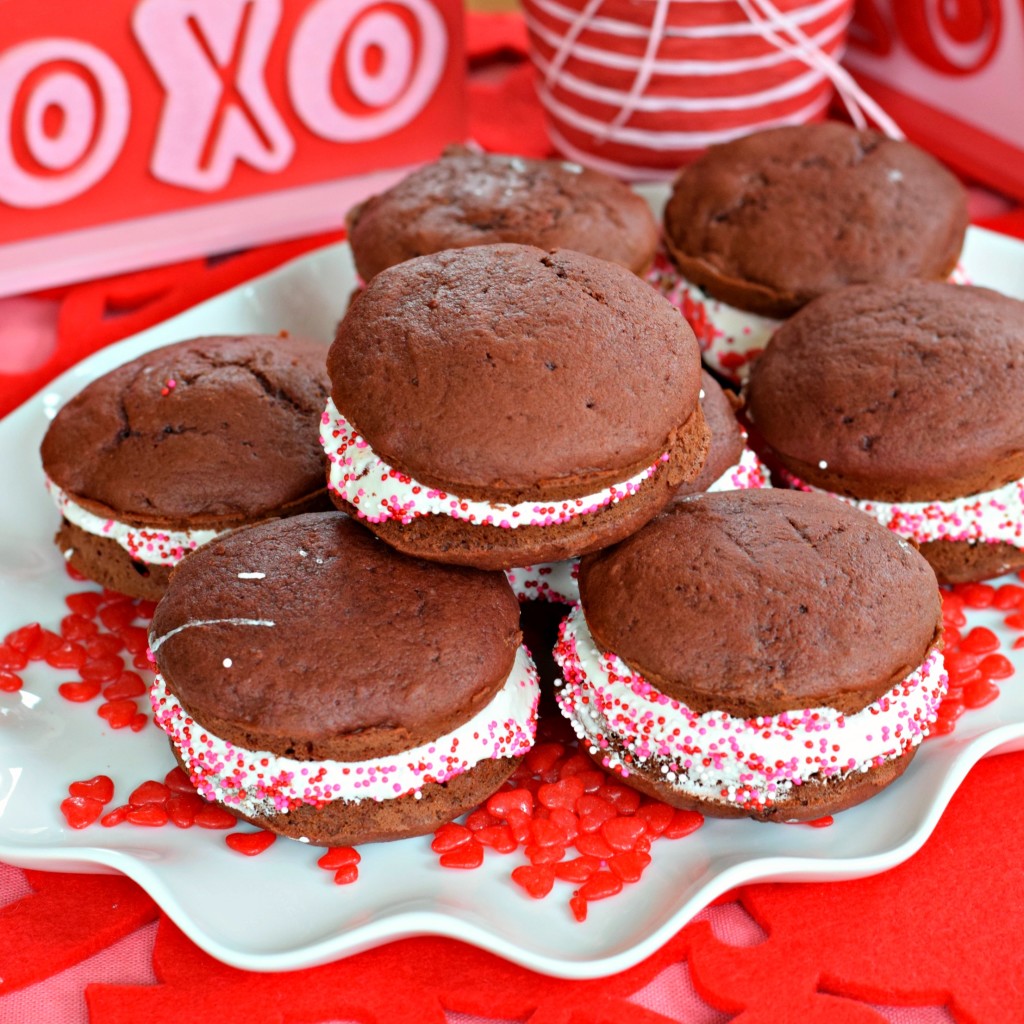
(906, 400)
(764, 653)
(501, 405)
(759, 226)
(470, 198)
(187, 441)
(730, 465)
(317, 683)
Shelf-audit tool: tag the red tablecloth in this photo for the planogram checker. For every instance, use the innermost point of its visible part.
(939, 938)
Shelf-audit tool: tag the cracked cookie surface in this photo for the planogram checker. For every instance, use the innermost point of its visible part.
(211, 432)
(468, 198)
(754, 602)
(769, 221)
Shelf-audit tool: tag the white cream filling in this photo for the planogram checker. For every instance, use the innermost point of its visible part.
(557, 581)
(729, 338)
(750, 762)
(379, 492)
(258, 783)
(154, 545)
(992, 517)
(748, 473)
(546, 581)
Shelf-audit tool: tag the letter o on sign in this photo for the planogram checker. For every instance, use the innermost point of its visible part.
(395, 91)
(90, 134)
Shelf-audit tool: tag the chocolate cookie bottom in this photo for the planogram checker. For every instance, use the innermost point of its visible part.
(349, 823)
(104, 561)
(441, 538)
(959, 561)
(815, 798)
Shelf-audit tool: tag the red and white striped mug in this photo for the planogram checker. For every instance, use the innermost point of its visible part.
(638, 87)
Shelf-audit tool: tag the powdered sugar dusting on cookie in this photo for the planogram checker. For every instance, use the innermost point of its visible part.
(261, 783)
(379, 492)
(749, 762)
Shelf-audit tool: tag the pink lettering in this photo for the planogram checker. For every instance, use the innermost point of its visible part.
(210, 59)
(90, 131)
(390, 89)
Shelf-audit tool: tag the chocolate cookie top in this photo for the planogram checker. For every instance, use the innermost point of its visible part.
(506, 373)
(310, 637)
(469, 198)
(212, 431)
(727, 440)
(759, 601)
(905, 392)
(769, 221)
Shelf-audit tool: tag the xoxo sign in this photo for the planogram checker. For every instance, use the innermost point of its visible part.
(141, 131)
(952, 74)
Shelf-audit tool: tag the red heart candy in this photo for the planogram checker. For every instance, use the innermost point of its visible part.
(103, 645)
(470, 855)
(25, 637)
(103, 669)
(501, 804)
(214, 816)
(86, 604)
(10, 682)
(250, 843)
(683, 823)
(177, 780)
(600, 886)
(149, 792)
(346, 875)
(629, 866)
(135, 639)
(537, 880)
(448, 837)
(77, 627)
(544, 854)
(182, 808)
(622, 833)
(99, 787)
(115, 817)
(78, 692)
(563, 793)
(338, 857)
(12, 659)
(80, 811)
(577, 870)
(579, 907)
(44, 645)
(118, 713)
(499, 837)
(117, 615)
(151, 815)
(67, 655)
(127, 684)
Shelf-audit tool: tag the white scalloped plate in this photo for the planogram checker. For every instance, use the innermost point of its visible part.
(279, 911)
